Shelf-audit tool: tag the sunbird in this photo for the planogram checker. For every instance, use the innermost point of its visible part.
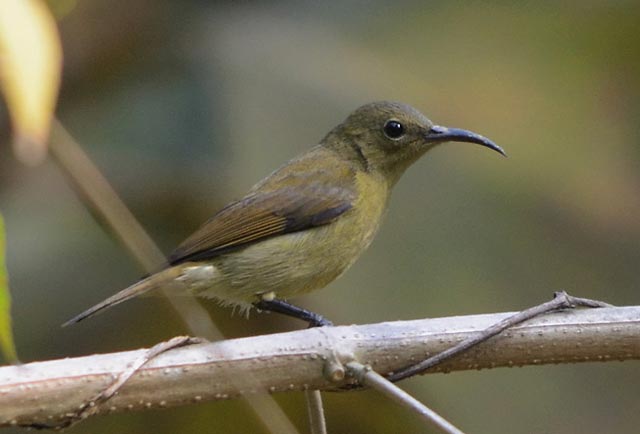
(305, 224)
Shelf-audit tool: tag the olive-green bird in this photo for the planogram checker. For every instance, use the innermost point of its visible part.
(305, 224)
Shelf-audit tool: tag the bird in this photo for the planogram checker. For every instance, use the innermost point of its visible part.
(305, 224)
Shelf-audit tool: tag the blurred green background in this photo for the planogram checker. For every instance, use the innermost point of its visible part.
(184, 105)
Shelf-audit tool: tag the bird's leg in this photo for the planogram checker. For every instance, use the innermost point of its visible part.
(281, 306)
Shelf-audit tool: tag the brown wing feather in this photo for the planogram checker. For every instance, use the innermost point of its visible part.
(287, 202)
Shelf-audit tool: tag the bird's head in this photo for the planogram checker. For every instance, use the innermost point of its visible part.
(387, 137)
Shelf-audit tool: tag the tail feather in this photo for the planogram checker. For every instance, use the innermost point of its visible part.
(134, 290)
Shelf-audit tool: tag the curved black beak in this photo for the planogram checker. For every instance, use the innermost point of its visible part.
(438, 134)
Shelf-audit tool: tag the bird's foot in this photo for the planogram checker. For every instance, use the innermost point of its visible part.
(285, 308)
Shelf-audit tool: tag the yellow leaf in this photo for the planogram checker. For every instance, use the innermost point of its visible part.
(30, 67)
(6, 335)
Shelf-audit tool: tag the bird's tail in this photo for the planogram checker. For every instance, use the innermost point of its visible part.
(139, 288)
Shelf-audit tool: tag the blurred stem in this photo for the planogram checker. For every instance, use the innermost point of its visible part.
(103, 202)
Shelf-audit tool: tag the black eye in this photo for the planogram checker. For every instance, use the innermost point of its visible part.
(393, 129)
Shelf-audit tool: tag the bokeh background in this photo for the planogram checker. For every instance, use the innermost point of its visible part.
(184, 105)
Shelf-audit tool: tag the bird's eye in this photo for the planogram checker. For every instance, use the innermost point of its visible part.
(393, 129)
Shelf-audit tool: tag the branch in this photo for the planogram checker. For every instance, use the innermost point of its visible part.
(41, 393)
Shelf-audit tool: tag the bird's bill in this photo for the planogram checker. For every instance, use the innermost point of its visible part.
(438, 134)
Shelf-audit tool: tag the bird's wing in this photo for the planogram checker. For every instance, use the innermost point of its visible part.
(290, 203)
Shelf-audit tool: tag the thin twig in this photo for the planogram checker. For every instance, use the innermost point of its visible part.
(89, 408)
(315, 412)
(368, 377)
(561, 300)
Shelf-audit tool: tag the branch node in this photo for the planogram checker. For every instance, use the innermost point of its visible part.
(334, 371)
(358, 371)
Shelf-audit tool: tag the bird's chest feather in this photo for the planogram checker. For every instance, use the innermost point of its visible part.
(329, 250)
